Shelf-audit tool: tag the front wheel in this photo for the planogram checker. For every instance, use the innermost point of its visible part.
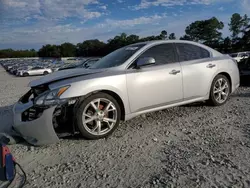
(220, 90)
(98, 116)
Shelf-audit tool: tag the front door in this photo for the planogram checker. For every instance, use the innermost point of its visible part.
(155, 85)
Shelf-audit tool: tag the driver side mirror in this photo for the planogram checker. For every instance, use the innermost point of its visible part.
(144, 61)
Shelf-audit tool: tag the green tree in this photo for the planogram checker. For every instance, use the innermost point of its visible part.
(91, 48)
(185, 37)
(227, 45)
(245, 23)
(238, 26)
(163, 35)
(50, 51)
(172, 36)
(10, 53)
(206, 31)
(245, 41)
(68, 50)
(117, 42)
(235, 26)
(132, 39)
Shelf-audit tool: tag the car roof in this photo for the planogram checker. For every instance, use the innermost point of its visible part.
(155, 42)
(167, 41)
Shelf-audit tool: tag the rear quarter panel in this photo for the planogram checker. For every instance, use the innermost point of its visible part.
(227, 65)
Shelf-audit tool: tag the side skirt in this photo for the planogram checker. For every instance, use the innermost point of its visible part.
(132, 115)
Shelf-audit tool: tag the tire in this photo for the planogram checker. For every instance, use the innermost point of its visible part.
(45, 72)
(90, 130)
(25, 74)
(217, 92)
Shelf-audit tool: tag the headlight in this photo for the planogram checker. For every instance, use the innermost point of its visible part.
(51, 97)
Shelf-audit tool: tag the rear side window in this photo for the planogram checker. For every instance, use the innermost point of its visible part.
(163, 54)
(188, 52)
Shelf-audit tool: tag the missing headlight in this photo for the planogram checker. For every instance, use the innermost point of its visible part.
(32, 114)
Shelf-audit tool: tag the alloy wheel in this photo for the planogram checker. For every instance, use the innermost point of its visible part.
(99, 116)
(221, 90)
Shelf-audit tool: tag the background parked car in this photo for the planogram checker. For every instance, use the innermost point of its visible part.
(82, 64)
(240, 55)
(35, 71)
(23, 69)
(244, 67)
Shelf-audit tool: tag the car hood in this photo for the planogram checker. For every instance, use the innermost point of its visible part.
(64, 74)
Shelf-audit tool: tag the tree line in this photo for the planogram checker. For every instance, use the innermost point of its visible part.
(208, 32)
(9, 53)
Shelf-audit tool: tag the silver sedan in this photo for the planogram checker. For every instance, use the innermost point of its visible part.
(130, 81)
(33, 71)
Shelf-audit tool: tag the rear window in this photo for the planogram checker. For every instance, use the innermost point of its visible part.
(188, 52)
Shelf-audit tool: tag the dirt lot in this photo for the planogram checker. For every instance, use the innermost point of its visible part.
(189, 146)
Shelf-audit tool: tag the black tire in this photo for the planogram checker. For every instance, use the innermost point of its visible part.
(212, 100)
(45, 72)
(25, 74)
(79, 113)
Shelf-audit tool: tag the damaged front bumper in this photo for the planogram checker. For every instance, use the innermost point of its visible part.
(34, 124)
(37, 131)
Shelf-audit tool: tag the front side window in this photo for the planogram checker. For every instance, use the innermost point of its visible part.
(36, 68)
(117, 57)
(163, 54)
(188, 52)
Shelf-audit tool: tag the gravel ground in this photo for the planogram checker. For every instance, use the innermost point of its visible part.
(188, 146)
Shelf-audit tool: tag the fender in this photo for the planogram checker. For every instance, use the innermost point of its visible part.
(79, 87)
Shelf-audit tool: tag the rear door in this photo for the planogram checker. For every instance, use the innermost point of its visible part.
(36, 71)
(197, 70)
(155, 85)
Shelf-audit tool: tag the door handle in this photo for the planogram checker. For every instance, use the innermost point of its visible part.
(175, 72)
(211, 66)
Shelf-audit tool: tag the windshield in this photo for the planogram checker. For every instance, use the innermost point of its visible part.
(77, 63)
(117, 57)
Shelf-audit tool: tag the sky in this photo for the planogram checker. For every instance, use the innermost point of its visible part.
(26, 24)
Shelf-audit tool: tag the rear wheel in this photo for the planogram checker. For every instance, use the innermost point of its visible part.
(98, 116)
(220, 90)
(45, 72)
(25, 74)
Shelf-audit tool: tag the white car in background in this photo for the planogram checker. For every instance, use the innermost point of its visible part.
(240, 55)
(34, 71)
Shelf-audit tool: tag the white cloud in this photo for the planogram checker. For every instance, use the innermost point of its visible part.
(49, 9)
(103, 7)
(246, 6)
(221, 9)
(46, 20)
(132, 22)
(48, 32)
(13, 9)
(168, 3)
